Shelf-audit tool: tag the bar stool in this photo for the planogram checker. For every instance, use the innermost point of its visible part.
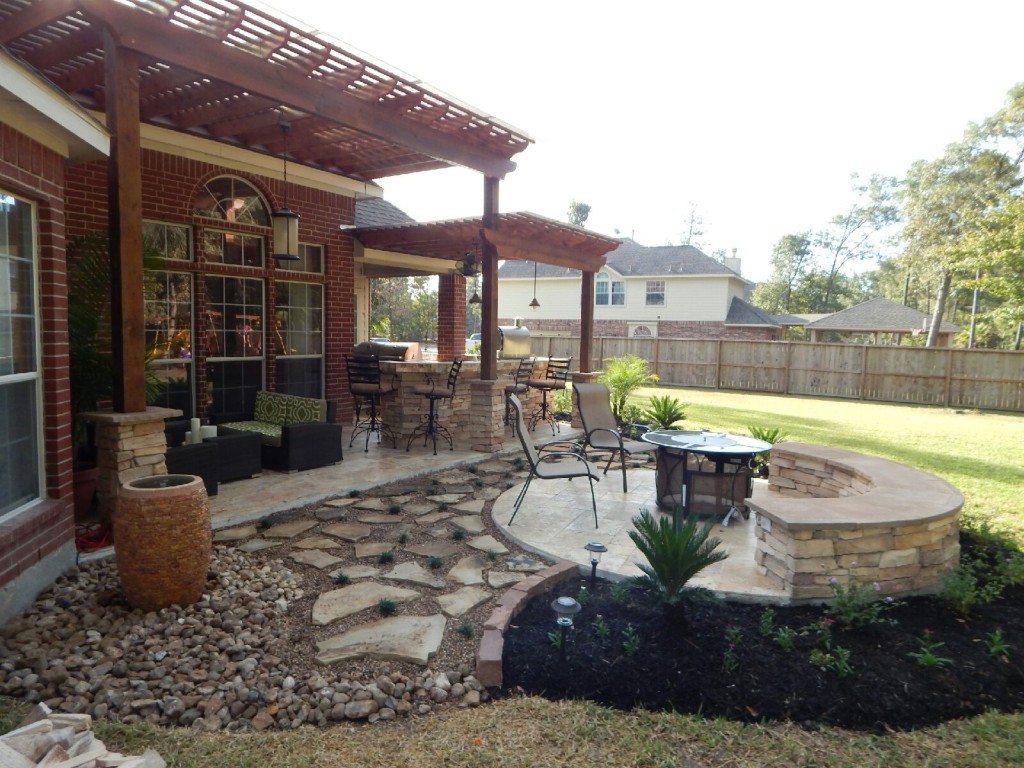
(430, 428)
(517, 387)
(555, 377)
(367, 386)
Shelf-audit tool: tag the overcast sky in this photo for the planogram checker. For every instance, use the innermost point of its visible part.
(756, 112)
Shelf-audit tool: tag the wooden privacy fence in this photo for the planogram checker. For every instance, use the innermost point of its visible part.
(966, 378)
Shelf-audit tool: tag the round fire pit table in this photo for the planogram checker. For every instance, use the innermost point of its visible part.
(163, 540)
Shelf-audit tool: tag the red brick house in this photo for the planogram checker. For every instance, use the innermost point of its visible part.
(189, 126)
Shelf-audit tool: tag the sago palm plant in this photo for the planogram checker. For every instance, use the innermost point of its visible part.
(676, 551)
(664, 411)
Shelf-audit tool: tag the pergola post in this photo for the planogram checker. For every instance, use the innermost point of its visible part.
(489, 305)
(587, 322)
(124, 202)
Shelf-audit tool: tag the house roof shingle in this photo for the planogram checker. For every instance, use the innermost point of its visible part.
(744, 313)
(377, 212)
(632, 259)
(880, 315)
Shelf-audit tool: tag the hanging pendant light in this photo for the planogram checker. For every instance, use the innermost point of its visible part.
(286, 221)
(535, 305)
(475, 298)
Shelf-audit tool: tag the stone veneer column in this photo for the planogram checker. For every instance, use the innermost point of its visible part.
(487, 409)
(128, 446)
(580, 377)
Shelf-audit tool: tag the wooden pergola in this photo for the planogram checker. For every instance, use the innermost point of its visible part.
(523, 236)
(230, 73)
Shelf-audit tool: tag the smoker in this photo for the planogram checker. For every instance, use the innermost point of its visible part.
(513, 341)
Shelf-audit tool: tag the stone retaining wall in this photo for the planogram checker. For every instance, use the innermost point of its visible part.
(829, 512)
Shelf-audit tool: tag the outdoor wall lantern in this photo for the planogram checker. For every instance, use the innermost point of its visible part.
(565, 608)
(286, 221)
(596, 549)
(469, 266)
(535, 305)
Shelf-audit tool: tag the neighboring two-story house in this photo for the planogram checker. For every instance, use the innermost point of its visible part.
(671, 291)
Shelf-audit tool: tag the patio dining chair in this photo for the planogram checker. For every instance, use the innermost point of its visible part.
(602, 432)
(550, 466)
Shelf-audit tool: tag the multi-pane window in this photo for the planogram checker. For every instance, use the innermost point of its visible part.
(233, 334)
(609, 292)
(170, 241)
(298, 338)
(233, 326)
(228, 198)
(168, 316)
(311, 259)
(233, 248)
(20, 464)
(655, 293)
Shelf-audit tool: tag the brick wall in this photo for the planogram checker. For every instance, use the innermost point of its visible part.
(171, 183)
(38, 538)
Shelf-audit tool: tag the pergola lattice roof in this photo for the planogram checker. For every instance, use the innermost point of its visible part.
(230, 72)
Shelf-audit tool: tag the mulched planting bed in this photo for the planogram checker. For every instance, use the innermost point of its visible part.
(722, 660)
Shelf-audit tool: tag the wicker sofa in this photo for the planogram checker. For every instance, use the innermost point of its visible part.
(297, 432)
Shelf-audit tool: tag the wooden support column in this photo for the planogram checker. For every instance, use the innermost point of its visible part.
(489, 305)
(587, 322)
(124, 201)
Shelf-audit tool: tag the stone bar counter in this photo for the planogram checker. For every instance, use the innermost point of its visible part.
(470, 417)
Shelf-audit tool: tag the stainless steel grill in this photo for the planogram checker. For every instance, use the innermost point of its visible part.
(513, 341)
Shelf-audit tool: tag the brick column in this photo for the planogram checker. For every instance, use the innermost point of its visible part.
(128, 446)
(487, 408)
(451, 317)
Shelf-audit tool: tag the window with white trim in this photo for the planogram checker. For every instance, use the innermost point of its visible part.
(655, 293)
(609, 292)
(20, 439)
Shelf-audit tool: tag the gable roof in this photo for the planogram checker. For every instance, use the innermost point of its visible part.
(630, 259)
(744, 313)
(880, 315)
(233, 73)
(378, 212)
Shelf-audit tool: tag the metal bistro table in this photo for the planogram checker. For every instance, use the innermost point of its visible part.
(683, 484)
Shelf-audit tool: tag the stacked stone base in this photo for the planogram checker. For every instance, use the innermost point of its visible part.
(834, 514)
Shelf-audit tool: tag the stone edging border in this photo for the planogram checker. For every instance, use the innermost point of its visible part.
(510, 605)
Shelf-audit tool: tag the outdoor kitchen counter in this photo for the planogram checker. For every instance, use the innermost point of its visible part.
(404, 410)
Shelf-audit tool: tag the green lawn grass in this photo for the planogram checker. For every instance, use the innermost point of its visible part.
(981, 453)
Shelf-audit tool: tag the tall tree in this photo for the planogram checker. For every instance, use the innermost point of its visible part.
(693, 225)
(858, 234)
(944, 202)
(578, 213)
(790, 259)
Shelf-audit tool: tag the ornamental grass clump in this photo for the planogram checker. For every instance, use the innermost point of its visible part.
(676, 550)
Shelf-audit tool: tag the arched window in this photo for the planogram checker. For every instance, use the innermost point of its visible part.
(231, 199)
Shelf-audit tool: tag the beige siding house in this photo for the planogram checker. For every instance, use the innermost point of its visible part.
(673, 291)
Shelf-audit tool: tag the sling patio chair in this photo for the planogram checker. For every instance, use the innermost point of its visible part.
(550, 466)
(602, 432)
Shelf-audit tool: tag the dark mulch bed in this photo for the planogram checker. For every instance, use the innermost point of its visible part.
(680, 663)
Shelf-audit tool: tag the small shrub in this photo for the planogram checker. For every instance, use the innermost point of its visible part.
(517, 463)
(926, 655)
(395, 509)
(458, 534)
(675, 553)
(664, 411)
(435, 562)
(837, 660)
(997, 645)
(561, 401)
(342, 578)
(730, 661)
(403, 537)
(624, 375)
(555, 638)
(465, 629)
(631, 640)
(473, 469)
(583, 597)
(766, 622)
(386, 557)
(619, 591)
(443, 506)
(492, 555)
(601, 628)
(785, 638)
(969, 585)
(355, 493)
(854, 604)
(386, 607)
